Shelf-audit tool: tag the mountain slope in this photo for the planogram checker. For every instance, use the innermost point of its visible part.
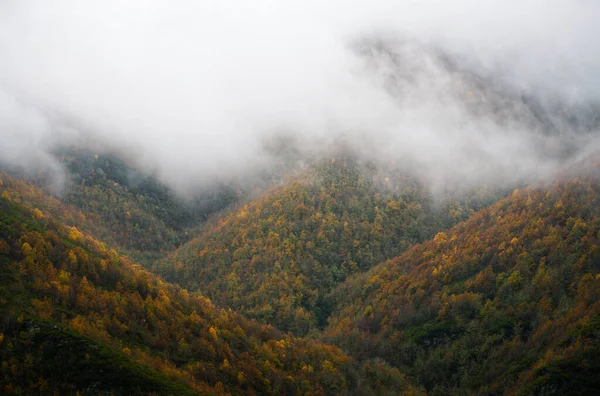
(278, 258)
(506, 302)
(123, 206)
(75, 316)
(40, 358)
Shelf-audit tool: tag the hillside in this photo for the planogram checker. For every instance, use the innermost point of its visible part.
(300, 198)
(122, 205)
(507, 302)
(278, 258)
(77, 317)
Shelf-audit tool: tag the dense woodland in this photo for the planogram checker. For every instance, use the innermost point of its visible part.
(128, 208)
(278, 258)
(506, 302)
(348, 279)
(79, 317)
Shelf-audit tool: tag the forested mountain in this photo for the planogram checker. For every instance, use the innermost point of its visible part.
(121, 205)
(76, 316)
(357, 256)
(277, 259)
(507, 302)
(300, 198)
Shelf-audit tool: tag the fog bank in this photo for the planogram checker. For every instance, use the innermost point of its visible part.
(197, 91)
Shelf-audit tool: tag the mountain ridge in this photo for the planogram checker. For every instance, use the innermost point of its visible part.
(500, 283)
(64, 289)
(505, 302)
(277, 258)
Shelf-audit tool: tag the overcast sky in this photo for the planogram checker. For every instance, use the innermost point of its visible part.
(195, 88)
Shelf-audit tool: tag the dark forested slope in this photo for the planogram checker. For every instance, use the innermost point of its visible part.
(75, 316)
(506, 302)
(278, 258)
(122, 206)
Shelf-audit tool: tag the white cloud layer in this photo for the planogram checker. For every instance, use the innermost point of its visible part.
(195, 88)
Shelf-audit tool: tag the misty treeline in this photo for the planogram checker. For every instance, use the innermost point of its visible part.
(227, 197)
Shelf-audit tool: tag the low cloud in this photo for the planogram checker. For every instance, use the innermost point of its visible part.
(201, 91)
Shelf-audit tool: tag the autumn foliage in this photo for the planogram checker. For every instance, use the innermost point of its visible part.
(59, 284)
(506, 302)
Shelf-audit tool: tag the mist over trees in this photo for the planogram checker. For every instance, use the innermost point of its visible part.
(262, 197)
(200, 92)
